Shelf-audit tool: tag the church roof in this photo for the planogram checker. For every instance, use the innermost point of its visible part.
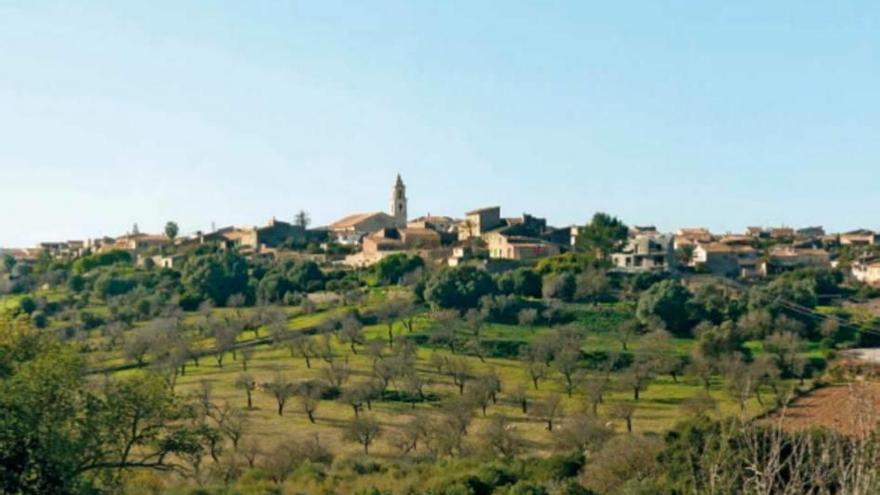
(353, 220)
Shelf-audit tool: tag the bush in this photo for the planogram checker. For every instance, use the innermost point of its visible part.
(39, 319)
(27, 305)
(459, 288)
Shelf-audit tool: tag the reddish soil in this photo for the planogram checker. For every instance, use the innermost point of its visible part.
(851, 409)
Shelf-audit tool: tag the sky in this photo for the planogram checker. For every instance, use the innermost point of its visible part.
(720, 114)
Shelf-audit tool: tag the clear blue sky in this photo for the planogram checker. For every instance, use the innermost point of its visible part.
(722, 114)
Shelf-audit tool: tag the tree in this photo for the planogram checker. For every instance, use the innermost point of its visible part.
(247, 383)
(582, 433)
(232, 422)
(567, 363)
(527, 317)
(281, 389)
(548, 409)
(625, 332)
(624, 411)
(225, 336)
(363, 430)
(460, 288)
(309, 394)
(601, 236)
(640, 373)
(658, 348)
(628, 461)
(355, 397)
(392, 269)
(460, 371)
(351, 333)
(520, 396)
(215, 276)
(304, 347)
(669, 301)
(302, 219)
(702, 368)
(561, 286)
(786, 347)
(537, 356)
(501, 437)
(390, 313)
(171, 230)
(592, 285)
(446, 324)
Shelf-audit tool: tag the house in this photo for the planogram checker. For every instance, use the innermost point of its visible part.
(644, 253)
(784, 258)
(692, 236)
(782, 233)
(505, 245)
(816, 232)
(389, 241)
(867, 271)
(136, 242)
(406, 239)
(440, 224)
(726, 259)
(477, 222)
(742, 240)
(636, 230)
(160, 261)
(861, 237)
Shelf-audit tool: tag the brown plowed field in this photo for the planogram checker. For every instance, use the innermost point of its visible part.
(850, 408)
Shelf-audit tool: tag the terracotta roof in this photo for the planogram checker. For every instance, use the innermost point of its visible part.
(352, 220)
(789, 252)
(718, 247)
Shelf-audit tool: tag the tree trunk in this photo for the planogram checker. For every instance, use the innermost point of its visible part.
(311, 416)
(629, 425)
(281, 408)
(636, 393)
(250, 401)
(308, 362)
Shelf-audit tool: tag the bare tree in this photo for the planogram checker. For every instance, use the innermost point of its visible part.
(624, 411)
(460, 371)
(567, 363)
(309, 395)
(304, 347)
(527, 317)
(520, 396)
(363, 430)
(548, 409)
(444, 329)
(351, 333)
(232, 422)
(282, 389)
(246, 354)
(582, 432)
(625, 332)
(337, 374)
(501, 437)
(247, 383)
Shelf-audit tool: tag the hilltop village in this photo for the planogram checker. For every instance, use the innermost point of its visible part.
(484, 237)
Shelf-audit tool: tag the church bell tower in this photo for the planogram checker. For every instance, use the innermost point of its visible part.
(398, 202)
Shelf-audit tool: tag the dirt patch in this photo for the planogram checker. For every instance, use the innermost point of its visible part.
(851, 409)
